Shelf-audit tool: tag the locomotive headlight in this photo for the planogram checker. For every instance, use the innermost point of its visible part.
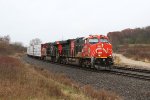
(110, 55)
(99, 53)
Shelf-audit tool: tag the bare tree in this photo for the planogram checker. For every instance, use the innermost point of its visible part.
(35, 41)
(5, 39)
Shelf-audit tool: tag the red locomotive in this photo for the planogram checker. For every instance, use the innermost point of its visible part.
(94, 51)
(97, 51)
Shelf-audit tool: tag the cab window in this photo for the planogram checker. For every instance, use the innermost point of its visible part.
(104, 40)
(93, 40)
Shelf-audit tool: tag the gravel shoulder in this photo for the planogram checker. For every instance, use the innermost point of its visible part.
(127, 87)
(132, 63)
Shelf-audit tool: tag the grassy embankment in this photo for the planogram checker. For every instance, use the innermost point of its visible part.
(139, 52)
(21, 81)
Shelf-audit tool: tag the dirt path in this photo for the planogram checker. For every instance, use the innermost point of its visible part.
(132, 63)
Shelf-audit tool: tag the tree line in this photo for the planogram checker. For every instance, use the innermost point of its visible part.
(6, 47)
(130, 36)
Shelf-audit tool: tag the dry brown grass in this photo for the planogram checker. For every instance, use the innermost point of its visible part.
(137, 52)
(19, 82)
(101, 94)
(59, 77)
(23, 81)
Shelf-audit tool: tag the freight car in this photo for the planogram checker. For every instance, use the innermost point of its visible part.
(94, 51)
(37, 51)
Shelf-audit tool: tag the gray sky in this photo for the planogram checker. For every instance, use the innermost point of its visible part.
(52, 20)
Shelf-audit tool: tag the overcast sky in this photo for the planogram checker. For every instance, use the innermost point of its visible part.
(52, 20)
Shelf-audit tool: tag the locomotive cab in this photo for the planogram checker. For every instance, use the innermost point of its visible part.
(97, 51)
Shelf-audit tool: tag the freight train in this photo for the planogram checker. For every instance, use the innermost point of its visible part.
(94, 51)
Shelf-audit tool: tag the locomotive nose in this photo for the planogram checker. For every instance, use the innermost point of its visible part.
(99, 49)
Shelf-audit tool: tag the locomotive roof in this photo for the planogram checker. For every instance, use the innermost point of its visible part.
(79, 38)
(63, 42)
(50, 43)
(96, 36)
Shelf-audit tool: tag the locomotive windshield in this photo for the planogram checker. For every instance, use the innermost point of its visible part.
(93, 40)
(104, 40)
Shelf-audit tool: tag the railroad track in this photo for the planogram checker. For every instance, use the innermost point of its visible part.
(124, 71)
(131, 72)
(132, 69)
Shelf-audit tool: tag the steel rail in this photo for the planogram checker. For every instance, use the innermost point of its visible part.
(133, 74)
(124, 71)
(132, 69)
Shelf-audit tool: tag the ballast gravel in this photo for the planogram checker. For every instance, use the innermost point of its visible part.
(127, 87)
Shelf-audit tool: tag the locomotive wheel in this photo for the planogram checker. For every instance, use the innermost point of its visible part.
(43, 58)
(92, 66)
(83, 64)
(67, 62)
(96, 67)
(86, 65)
(109, 67)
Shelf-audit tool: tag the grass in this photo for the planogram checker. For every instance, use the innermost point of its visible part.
(22, 81)
(136, 52)
(100, 94)
(26, 82)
